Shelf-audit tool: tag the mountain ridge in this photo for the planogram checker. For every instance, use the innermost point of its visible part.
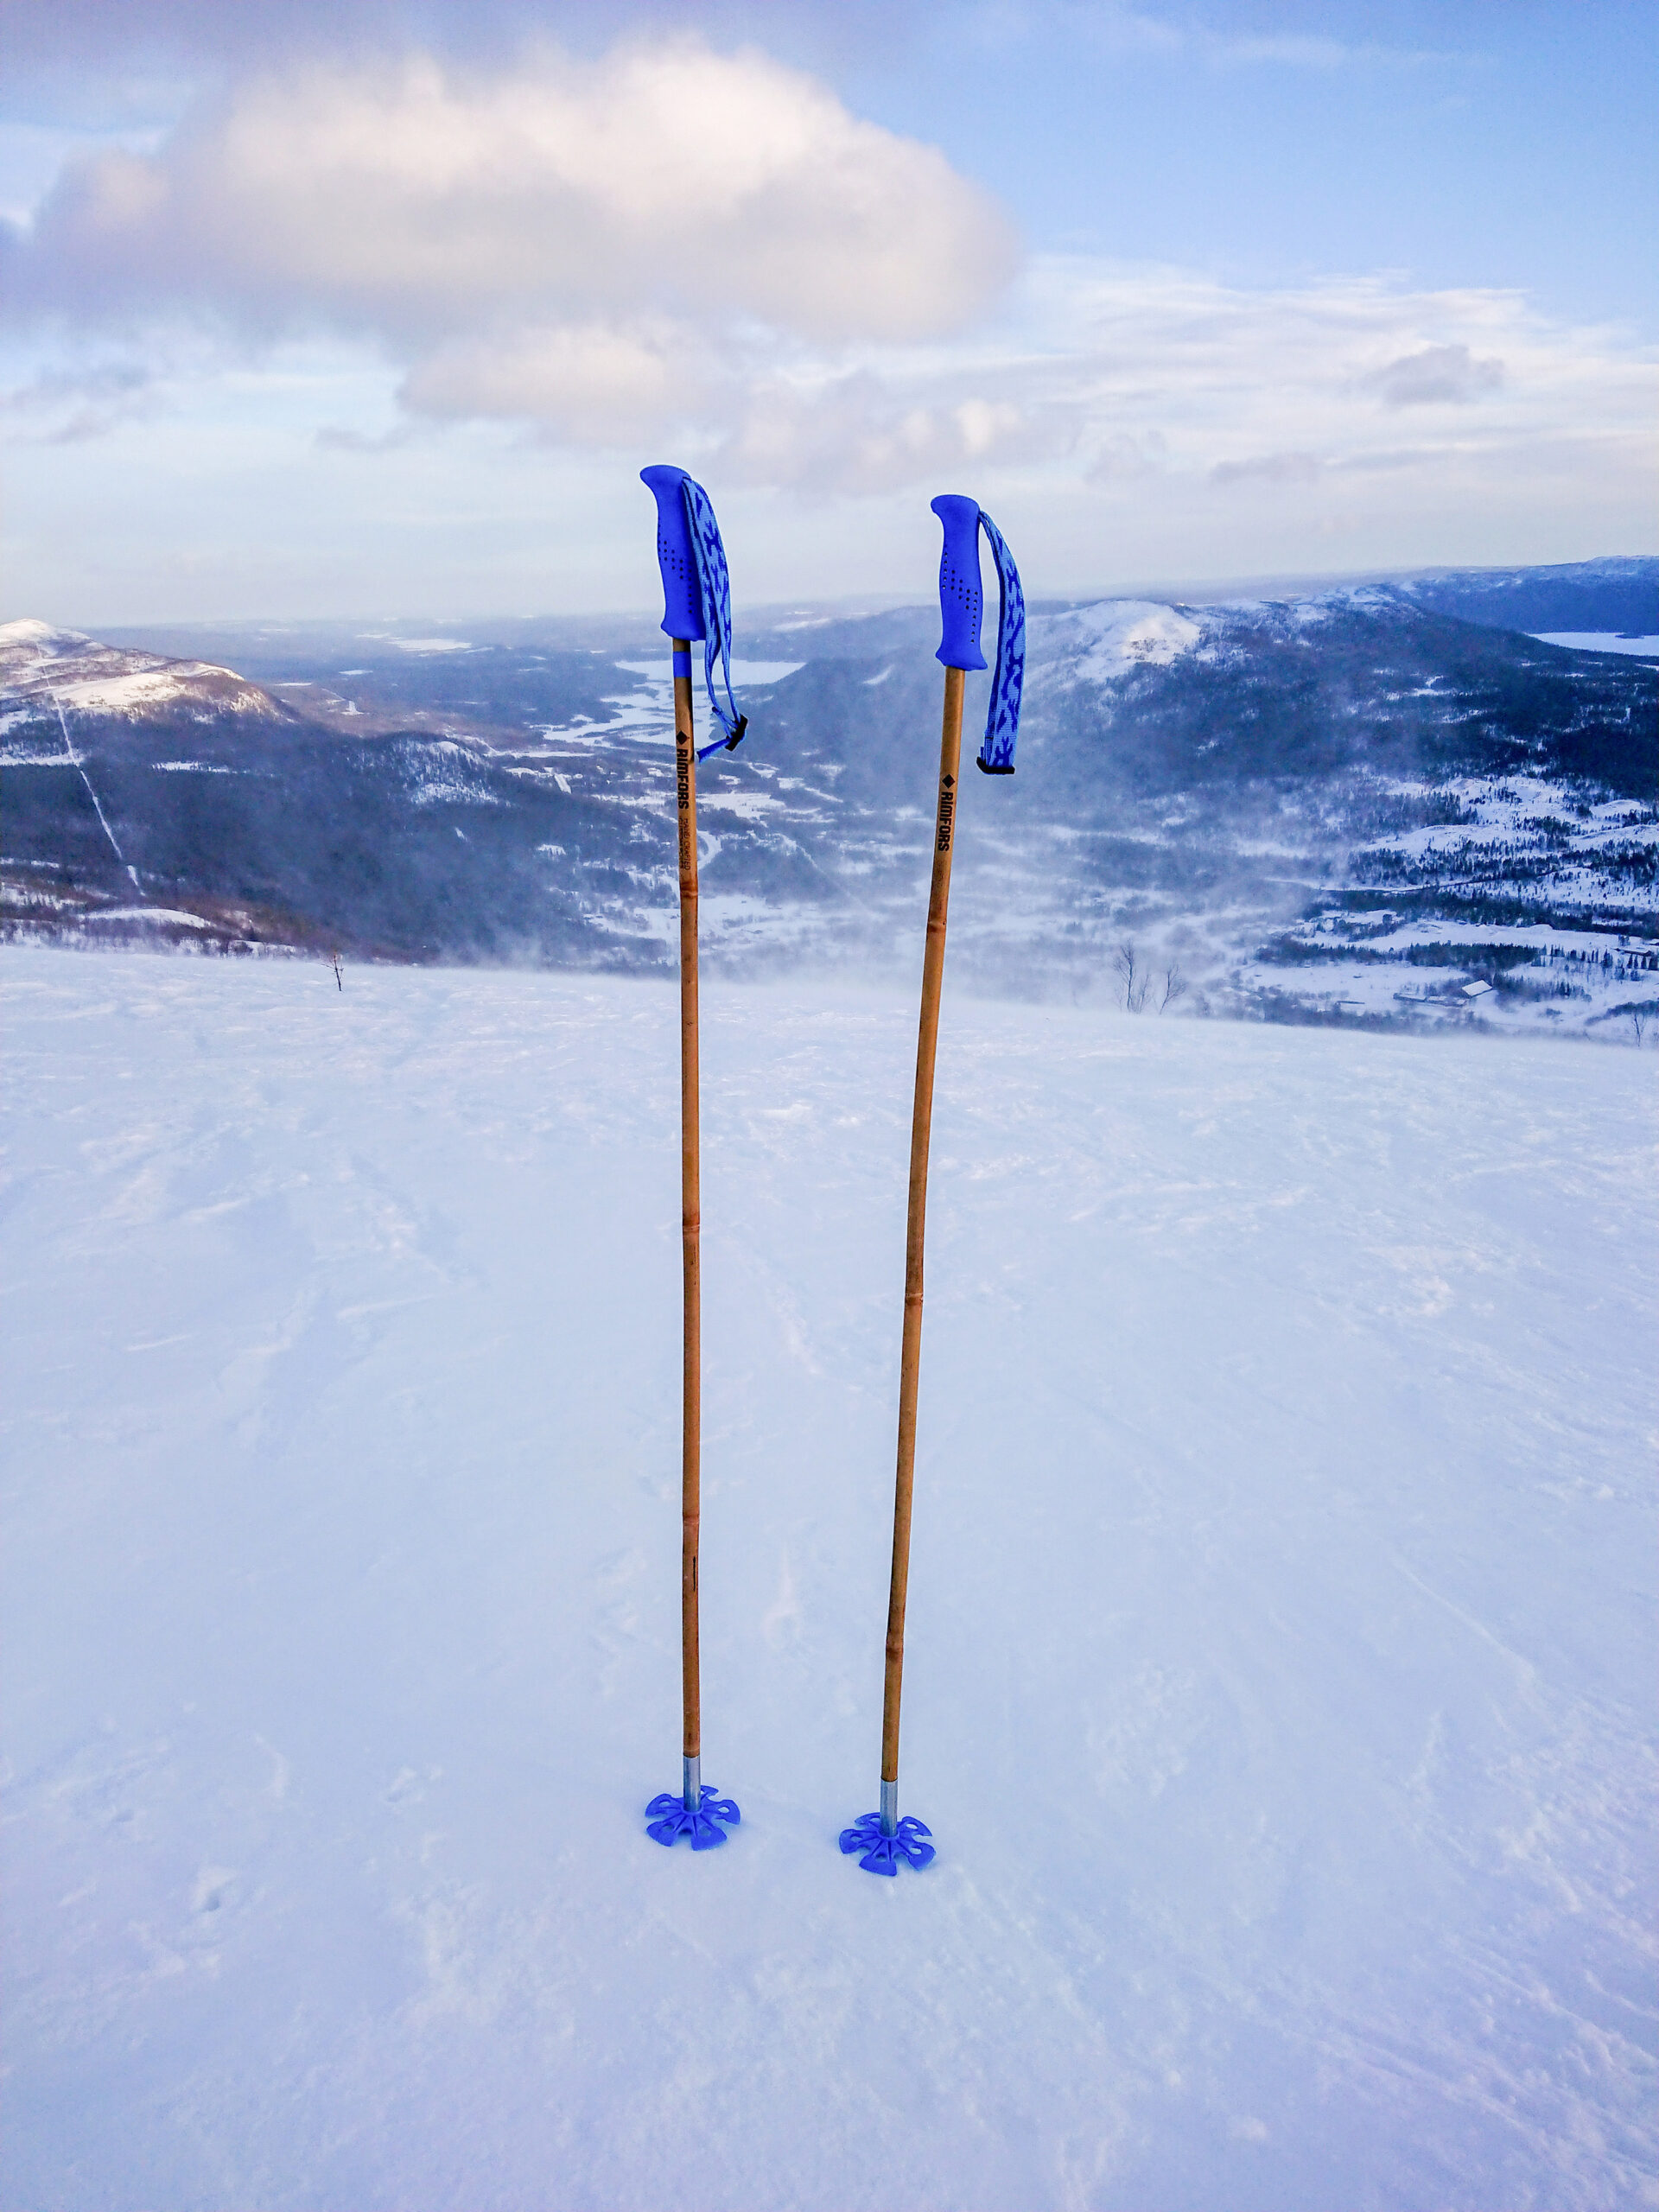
(442, 798)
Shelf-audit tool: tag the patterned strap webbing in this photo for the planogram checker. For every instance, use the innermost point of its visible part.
(714, 591)
(1002, 721)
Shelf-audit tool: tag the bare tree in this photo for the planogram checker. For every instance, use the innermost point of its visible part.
(1640, 1017)
(1123, 960)
(1134, 979)
(1174, 987)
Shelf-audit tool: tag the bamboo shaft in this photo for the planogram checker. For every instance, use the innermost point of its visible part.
(910, 1363)
(685, 782)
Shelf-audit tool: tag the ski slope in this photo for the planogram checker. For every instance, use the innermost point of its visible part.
(1280, 1686)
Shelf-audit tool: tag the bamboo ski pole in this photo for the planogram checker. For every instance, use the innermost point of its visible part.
(881, 1839)
(693, 600)
(921, 1126)
(685, 791)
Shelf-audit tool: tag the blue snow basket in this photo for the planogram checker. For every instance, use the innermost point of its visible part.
(675, 1818)
(882, 1851)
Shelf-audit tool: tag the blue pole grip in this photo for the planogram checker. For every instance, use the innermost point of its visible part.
(962, 598)
(682, 601)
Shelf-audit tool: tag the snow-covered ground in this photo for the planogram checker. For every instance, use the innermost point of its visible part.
(1600, 983)
(1282, 1638)
(1534, 836)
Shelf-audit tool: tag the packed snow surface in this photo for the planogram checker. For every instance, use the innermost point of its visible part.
(1281, 1640)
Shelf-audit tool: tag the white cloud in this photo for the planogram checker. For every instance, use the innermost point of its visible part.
(591, 383)
(574, 262)
(1436, 376)
(81, 404)
(667, 240)
(1132, 379)
(416, 201)
(1268, 468)
(1178, 372)
(864, 432)
(1225, 430)
(1292, 51)
(1115, 28)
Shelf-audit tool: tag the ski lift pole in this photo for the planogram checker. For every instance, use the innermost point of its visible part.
(883, 1838)
(698, 1810)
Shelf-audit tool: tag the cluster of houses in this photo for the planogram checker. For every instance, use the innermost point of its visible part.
(1455, 995)
(1627, 959)
(1630, 956)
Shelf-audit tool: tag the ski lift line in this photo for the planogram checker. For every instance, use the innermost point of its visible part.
(79, 766)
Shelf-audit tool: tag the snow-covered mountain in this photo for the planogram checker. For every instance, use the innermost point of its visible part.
(1111, 639)
(1114, 639)
(43, 668)
(1617, 593)
(1217, 785)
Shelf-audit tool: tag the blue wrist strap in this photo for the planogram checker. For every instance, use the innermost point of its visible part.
(697, 587)
(1008, 683)
(961, 608)
(714, 591)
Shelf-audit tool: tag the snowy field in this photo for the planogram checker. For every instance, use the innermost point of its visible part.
(1281, 1643)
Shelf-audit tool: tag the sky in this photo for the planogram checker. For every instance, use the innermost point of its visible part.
(377, 307)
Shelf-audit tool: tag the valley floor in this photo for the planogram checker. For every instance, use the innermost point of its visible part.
(1281, 1631)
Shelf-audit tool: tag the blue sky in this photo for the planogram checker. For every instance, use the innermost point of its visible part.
(1501, 144)
(367, 309)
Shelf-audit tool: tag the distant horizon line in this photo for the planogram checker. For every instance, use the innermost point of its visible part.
(1191, 592)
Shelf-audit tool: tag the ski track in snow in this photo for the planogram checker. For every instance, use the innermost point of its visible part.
(1279, 1685)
